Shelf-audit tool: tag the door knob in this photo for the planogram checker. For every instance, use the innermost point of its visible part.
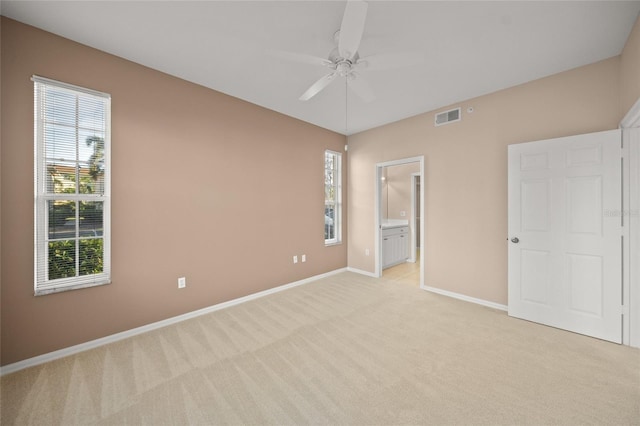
(515, 240)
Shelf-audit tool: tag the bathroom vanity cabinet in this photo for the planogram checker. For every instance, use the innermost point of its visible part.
(395, 245)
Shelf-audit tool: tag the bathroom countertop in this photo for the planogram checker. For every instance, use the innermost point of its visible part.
(394, 223)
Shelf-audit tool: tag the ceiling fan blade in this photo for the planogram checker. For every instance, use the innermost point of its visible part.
(352, 28)
(300, 57)
(318, 86)
(387, 61)
(361, 88)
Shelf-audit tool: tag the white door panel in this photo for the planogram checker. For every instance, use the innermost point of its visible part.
(565, 251)
(534, 276)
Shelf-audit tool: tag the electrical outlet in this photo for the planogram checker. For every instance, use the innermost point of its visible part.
(366, 252)
(295, 259)
(304, 257)
(403, 213)
(182, 282)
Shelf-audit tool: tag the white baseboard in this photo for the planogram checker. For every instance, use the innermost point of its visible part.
(465, 298)
(72, 350)
(361, 272)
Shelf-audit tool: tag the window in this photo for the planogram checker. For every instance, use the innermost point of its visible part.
(332, 197)
(72, 186)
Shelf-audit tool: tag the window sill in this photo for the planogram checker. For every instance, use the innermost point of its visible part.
(334, 243)
(68, 287)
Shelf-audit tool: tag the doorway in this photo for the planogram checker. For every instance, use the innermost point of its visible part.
(392, 219)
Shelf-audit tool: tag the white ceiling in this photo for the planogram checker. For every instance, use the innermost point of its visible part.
(471, 48)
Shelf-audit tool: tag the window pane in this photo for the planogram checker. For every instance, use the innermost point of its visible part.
(62, 259)
(60, 142)
(91, 113)
(91, 180)
(60, 106)
(329, 193)
(91, 256)
(91, 154)
(61, 177)
(91, 144)
(329, 161)
(329, 222)
(91, 218)
(329, 177)
(62, 219)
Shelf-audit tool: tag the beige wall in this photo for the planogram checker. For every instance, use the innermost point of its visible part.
(630, 70)
(203, 185)
(465, 188)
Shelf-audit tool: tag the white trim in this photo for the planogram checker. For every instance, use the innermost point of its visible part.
(337, 213)
(627, 222)
(632, 118)
(631, 138)
(72, 350)
(377, 213)
(414, 235)
(465, 298)
(361, 272)
(401, 161)
(68, 86)
(631, 279)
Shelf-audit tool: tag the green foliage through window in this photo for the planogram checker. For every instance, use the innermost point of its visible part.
(62, 258)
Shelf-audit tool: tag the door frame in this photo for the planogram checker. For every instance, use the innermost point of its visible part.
(378, 212)
(415, 180)
(630, 126)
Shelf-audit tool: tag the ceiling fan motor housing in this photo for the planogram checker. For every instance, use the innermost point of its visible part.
(342, 66)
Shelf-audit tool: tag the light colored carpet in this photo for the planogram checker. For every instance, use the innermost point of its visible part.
(343, 350)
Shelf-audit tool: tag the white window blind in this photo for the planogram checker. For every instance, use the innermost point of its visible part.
(332, 197)
(72, 186)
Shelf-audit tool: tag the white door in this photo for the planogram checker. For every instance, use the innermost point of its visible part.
(565, 248)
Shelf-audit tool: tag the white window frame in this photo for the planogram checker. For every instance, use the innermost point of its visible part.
(42, 283)
(337, 220)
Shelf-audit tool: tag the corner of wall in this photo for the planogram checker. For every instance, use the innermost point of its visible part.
(630, 70)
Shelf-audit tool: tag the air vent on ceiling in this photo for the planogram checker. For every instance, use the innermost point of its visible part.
(447, 117)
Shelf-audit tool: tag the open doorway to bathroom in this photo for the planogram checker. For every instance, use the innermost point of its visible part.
(400, 221)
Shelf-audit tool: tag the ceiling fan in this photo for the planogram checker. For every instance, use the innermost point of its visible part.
(345, 61)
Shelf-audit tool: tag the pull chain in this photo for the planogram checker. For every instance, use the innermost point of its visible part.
(346, 106)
